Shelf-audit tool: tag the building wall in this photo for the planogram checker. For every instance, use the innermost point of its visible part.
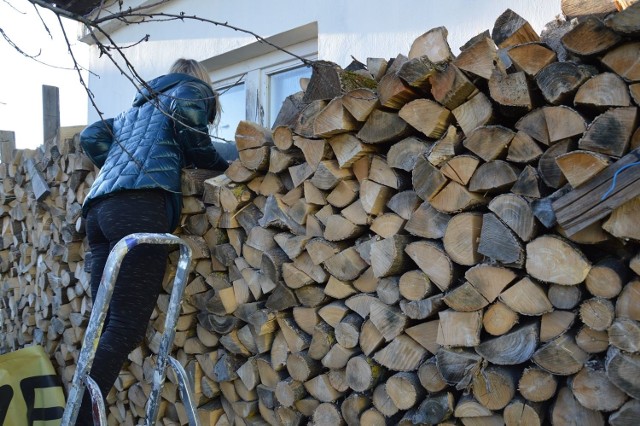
(345, 29)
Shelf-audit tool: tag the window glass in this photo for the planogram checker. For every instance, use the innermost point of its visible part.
(283, 84)
(232, 100)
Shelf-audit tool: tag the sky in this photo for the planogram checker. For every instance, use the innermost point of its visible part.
(21, 78)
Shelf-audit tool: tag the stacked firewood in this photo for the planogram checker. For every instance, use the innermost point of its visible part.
(431, 239)
(44, 286)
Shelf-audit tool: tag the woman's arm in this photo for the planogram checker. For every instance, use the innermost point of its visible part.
(96, 140)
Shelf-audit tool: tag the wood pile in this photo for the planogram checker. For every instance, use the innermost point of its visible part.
(432, 239)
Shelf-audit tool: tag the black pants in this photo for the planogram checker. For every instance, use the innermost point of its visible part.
(138, 284)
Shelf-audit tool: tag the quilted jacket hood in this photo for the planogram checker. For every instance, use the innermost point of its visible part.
(164, 83)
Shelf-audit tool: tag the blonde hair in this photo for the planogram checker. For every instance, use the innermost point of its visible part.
(195, 69)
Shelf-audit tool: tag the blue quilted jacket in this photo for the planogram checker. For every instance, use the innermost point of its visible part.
(148, 145)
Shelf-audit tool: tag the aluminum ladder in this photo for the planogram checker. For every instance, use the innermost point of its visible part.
(81, 378)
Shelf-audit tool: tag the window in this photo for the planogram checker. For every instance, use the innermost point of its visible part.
(233, 110)
(254, 80)
(283, 84)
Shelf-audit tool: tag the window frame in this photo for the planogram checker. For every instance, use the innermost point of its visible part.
(255, 73)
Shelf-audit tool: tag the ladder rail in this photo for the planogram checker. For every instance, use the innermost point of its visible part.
(98, 410)
(98, 315)
(185, 391)
(168, 336)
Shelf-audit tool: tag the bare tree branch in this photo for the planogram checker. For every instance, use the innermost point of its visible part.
(94, 24)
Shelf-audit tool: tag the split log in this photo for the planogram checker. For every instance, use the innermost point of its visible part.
(592, 341)
(600, 138)
(624, 22)
(511, 92)
(461, 238)
(548, 168)
(329, 81)
(622, 371)
(465, 298)
(334, 119)
(531, 57)
(580, 166)
(511, 29)
(522, 411)
(498, 319)
(493, 176)
(494, 387)
(446, 147)
(432, 44)
(601, 92)
(460, 168)
(513, 348)
(594, 391)
(395, 92)
(430, 377)
(404, 389)
(627, 414)
(478, 58)
(590, 37)
(403, 204)
(382, 126)
(427, 117)
(545, 254)
(321, 389)
(477, 111)
(626, 303)
(489, 280)
(516, 213)
(523, 149)
(427, 222)
(433, 410)
(459, 328)
(417, 72)
(468, 408)
(433, 261)
(578, 8)
(499, 243)
(567, 409)
(623, 61)
(624, 334)
(426, 334)
(526, 298)
(556, 323)
(348, 149)
(360, 103)
(559, 81)
(402, 354)
(454, 198)
(560, 356)
(537, 385)
(597, 313)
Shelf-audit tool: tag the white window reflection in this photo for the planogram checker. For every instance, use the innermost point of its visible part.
(232, 100)
(283, 84)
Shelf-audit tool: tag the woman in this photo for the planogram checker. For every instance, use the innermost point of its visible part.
(140, 154)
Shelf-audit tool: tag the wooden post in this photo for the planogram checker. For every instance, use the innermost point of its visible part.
(50, 112)
(7, 145)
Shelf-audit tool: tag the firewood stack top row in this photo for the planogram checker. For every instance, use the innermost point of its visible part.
(429, 239)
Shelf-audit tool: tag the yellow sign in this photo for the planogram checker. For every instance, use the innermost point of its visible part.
(30, 390)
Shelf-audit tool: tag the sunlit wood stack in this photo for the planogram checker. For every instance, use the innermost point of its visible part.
(430, 239)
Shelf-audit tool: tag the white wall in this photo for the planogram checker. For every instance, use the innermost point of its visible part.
(346, 28)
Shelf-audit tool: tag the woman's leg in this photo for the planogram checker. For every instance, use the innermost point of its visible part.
(139, 280)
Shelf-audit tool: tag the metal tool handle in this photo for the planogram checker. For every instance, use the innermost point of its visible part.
(99, 312)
